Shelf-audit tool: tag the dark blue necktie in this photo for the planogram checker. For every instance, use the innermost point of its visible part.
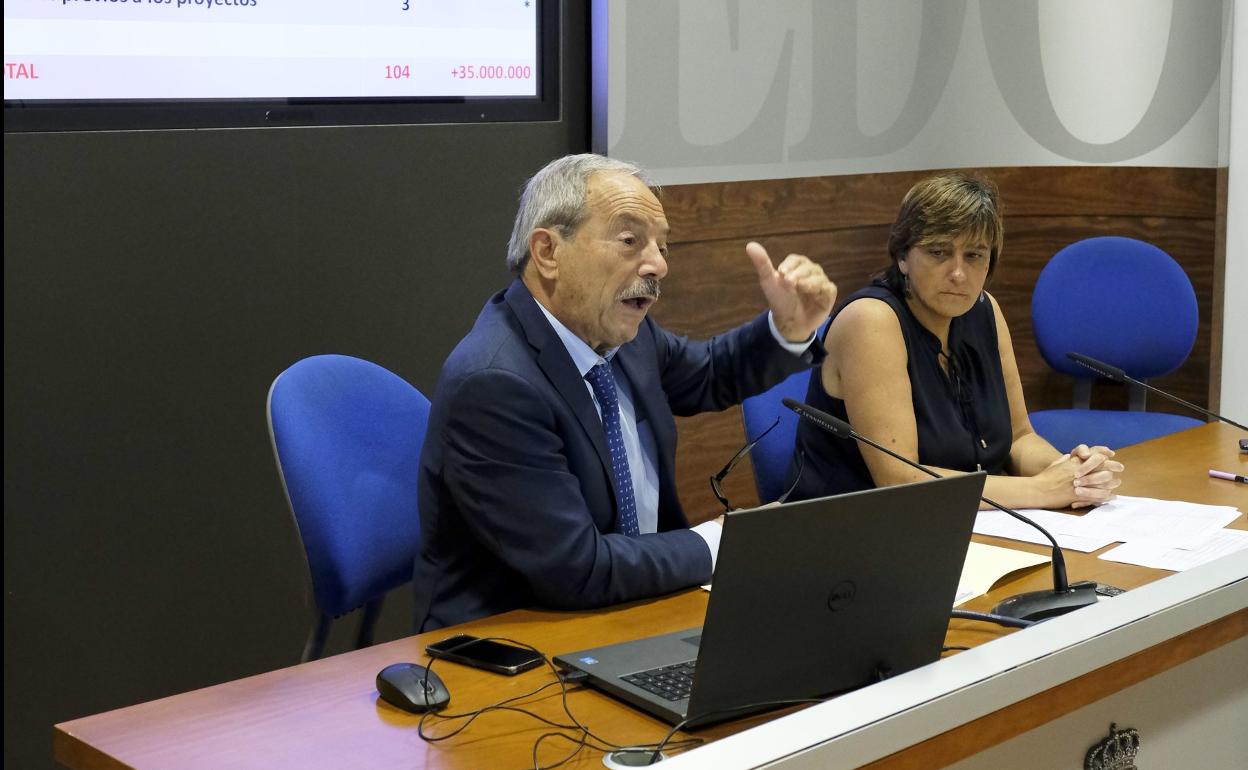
(603, 382)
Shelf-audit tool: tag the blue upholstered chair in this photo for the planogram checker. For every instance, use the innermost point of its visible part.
(347, 436)
(1124, 302)
(771, 456)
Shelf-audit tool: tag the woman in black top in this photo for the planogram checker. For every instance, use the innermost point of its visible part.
(921, 362)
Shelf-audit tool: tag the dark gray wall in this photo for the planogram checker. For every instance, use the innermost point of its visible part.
(155, 284)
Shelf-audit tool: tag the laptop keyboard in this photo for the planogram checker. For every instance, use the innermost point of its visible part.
(672, 682)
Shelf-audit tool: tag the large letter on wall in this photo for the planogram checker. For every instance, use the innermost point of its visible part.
(1192, 60)
(651, 115)
(834, 128)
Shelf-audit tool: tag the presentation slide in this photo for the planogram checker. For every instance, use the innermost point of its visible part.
(269, 49)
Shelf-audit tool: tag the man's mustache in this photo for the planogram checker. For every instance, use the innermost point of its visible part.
(645, 287)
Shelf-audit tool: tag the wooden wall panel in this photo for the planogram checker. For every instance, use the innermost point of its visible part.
(743, 210)
(842, 222)
(1219, 291)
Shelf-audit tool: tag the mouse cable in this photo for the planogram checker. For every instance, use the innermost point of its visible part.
(761, 705)
(580, 744)
(472, 715)
(587, 736)
(604, 745)
(988, 617)
(567, 710)
(499, 706)
(583, 742)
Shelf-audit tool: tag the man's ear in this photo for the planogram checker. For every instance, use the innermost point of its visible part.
(543, 247)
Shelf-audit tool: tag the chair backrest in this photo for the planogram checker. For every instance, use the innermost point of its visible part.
(771, 456)
(1118, 300)
(347, 436)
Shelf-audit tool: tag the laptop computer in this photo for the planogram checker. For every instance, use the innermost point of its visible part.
(809, 599)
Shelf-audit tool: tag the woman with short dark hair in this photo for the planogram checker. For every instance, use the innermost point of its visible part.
(921, 362)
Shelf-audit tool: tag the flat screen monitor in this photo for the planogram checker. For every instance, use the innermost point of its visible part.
(136, 64)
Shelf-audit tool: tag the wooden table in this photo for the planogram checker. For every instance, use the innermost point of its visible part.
(327, 713)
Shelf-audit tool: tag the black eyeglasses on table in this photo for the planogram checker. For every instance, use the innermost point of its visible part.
(718, 478)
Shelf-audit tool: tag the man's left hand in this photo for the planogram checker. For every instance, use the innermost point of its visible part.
(798, 291)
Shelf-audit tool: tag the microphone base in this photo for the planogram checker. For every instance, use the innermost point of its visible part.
(1041, 605)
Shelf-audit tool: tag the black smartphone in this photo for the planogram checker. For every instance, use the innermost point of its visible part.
(485, 653)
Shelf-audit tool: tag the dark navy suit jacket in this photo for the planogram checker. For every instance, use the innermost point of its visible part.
(516, 502)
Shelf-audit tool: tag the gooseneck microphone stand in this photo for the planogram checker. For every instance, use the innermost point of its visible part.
(1118, 375)
(1033, 605)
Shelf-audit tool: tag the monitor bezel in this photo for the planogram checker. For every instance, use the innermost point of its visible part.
(43, 115)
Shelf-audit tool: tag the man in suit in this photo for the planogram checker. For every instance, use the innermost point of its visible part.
(547, 475)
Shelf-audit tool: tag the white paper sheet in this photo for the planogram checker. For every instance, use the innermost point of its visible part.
(1163, 555)
(1064, 527)
(1181, 524)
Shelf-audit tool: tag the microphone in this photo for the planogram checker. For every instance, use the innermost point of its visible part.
(1118, 375)
(1033, 605)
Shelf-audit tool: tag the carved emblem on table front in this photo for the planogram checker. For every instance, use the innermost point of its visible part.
(1117, 751)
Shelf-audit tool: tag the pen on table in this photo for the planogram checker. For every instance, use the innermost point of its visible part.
(1228, 476)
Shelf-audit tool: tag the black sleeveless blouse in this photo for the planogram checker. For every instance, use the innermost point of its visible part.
(963, 418)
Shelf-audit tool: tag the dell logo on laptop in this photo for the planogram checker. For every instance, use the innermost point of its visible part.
(842, 595)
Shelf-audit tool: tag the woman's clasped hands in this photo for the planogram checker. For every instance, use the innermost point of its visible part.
(1085, 477)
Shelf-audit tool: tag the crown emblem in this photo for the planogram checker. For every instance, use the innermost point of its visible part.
(1114, 752)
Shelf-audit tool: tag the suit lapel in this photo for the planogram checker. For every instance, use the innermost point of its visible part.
(556, 364)
(637, 360)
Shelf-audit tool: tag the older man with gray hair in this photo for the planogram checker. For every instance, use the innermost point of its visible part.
(547, 476)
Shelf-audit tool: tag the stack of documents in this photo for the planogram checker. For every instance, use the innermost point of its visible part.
(1163, 534)
(1167, 534)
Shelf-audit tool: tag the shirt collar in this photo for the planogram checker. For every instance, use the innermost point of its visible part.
(583, 356)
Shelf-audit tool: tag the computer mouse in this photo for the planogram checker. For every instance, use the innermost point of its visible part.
(412, 687)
